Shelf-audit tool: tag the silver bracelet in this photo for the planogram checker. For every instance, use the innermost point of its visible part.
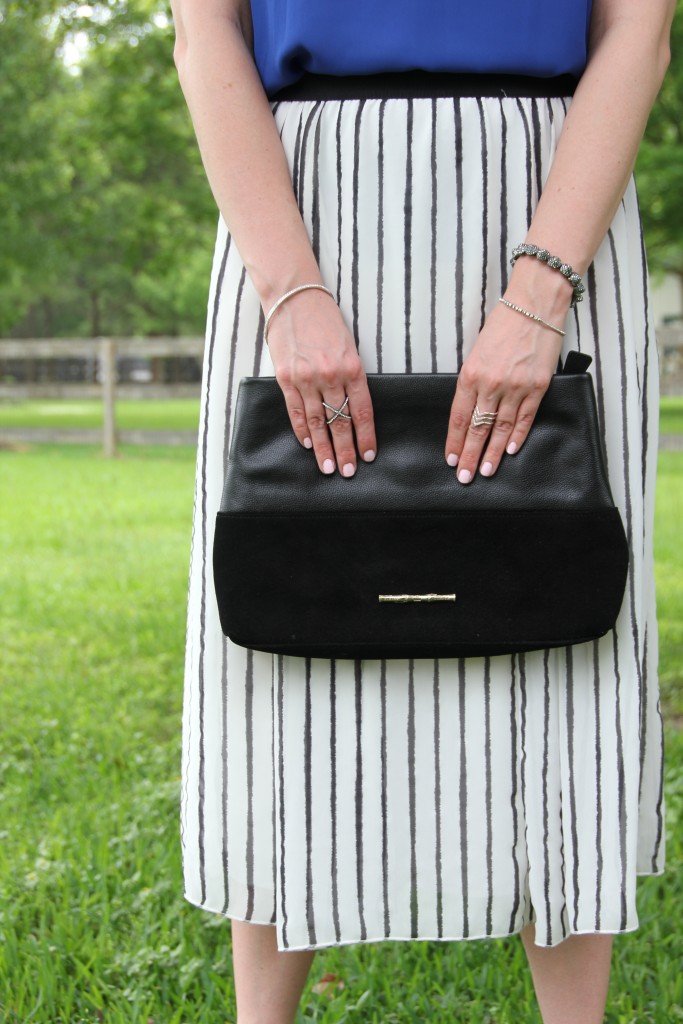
(555, 263)
(283, 298)
(532, 316)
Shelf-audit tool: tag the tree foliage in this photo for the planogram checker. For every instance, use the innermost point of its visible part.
(659, 171)
(106, 219)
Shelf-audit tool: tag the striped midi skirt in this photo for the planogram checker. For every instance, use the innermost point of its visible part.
(356, 801)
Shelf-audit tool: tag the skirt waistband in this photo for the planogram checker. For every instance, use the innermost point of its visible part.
(422, 85)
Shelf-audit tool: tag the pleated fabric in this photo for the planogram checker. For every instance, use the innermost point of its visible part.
(356, 801)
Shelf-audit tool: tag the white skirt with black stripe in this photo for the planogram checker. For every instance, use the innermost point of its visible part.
(427, 799)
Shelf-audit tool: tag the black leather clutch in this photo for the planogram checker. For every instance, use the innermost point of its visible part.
(403, 561)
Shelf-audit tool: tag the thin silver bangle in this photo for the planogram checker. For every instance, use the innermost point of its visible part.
(283, 298)
(532, 316)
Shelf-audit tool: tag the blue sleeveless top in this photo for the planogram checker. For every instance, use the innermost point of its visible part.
(541, 38)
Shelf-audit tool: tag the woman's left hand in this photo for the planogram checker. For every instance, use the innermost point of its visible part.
(507, 373)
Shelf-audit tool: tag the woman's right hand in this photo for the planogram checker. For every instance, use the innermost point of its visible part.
(316, 360)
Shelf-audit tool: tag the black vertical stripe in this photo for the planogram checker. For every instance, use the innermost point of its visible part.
(296, 161)
(300, 191)
(595, 327)
(412, 811)
(249, 716)
(231, 366)
(660, 801)
(224, 774)
(513, 792)
(273, 823)
(626, 455)
(621, 778)
(504, 271)
(333, 799)
(339, 200)
(355, 260)
(546, 817)
(202, 612)
(281, 783)
(354, 251)
(434, 235)
(358, 678)
(646, 360)
(600, 862)
(408, 234)
(459, 243)
(572, 787)
(383, 798)
(528, 163)
(315, 188)
(538, 155)
(489, 797)
(380, 236)
(438, 867)
(308, 790)
(522, 765)
(462, 797)
(485, 212)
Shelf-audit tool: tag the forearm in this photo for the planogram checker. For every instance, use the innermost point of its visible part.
(241, 149)
(597, 147)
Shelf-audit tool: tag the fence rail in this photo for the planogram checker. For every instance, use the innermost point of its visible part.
(105, 355)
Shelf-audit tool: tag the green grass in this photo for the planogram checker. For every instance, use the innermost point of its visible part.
(93, 924)
(141, 414)
(179, 414)
(671, 414)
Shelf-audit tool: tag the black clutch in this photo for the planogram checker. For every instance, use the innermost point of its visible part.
(401, 560)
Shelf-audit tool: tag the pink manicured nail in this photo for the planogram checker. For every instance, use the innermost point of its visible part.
(486, 469)
(308, 443)
(328, 466)
(464, 476)
(349, 469)
(452, 459)
(369, 455)
(511, 448)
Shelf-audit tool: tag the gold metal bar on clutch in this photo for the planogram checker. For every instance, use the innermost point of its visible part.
(401, 598)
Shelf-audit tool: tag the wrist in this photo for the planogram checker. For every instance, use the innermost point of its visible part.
(538, 287)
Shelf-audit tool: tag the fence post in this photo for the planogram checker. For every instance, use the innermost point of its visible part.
(108, 373)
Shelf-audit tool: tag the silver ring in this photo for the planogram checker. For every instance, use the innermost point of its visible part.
(337, 412)
(482, 419)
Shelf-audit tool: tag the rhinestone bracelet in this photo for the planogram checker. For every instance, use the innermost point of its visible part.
(532, 316)
(555, 263)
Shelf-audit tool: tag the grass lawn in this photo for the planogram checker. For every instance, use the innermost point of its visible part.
(131, 414)
(93, 924)
(180, 414)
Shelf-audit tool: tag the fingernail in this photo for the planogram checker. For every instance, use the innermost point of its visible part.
(369, 455)
(486, 469)
(308, 443)
(511, 448)
(349, 469)
(328, 466)
(452, 459)
(464, 476)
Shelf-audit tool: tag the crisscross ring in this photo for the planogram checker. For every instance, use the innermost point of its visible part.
(483, 419)
(338, 413)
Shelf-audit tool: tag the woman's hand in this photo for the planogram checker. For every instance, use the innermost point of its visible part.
(316, 361)
(507, 372)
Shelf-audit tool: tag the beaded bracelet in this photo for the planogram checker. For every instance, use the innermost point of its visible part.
(555, 263)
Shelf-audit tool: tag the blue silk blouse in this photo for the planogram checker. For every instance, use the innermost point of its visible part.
(541, 38)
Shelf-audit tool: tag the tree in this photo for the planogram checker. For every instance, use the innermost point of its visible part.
(659, 170)
(125, 242)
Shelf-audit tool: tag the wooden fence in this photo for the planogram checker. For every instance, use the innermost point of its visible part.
(104, 357)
